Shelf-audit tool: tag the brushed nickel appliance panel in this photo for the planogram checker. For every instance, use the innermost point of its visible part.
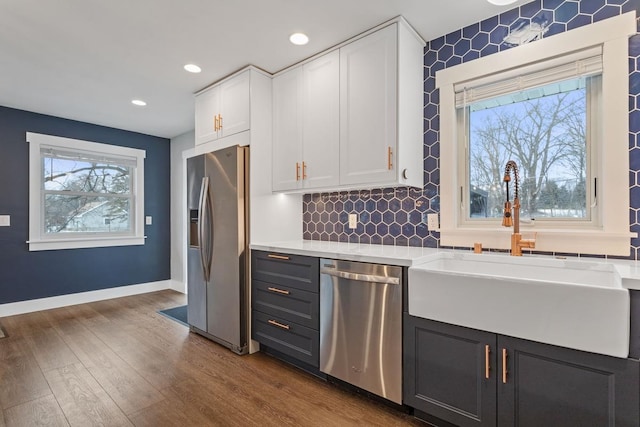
(361, 325)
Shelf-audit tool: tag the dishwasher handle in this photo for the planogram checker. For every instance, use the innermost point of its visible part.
(371, 278)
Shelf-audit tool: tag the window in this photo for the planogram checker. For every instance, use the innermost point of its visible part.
(558, 108)
(84, 194)
(549, 130)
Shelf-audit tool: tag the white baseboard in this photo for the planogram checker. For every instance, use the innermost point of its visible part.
(179, 286)
(30, 306)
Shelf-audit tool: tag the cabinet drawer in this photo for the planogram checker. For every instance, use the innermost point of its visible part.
(296, 271)
(294, 305)
(297, 341)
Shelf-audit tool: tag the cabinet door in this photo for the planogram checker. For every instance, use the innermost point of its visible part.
(287, 131)
(321, 121)
(207, 108)
(552, 386)
(368, 105)
(446, 369)
(234, 104)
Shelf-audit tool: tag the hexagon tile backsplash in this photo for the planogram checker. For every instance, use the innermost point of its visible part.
(397, 216)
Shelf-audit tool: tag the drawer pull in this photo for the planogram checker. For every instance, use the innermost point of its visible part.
(504, 365)
(487, 367)
(279, 291)
(278, 324)
(286, 258)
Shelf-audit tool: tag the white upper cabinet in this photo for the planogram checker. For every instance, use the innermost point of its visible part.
(287, 130)
(223, 109)
(321, 120)
(353, 117)
(381, 109)
(368, 108)
(306, 125)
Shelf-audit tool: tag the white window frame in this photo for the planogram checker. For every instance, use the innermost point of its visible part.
(38, 239)
(612, 235)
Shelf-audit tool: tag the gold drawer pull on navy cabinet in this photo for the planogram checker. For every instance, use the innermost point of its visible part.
(286, 258)
(278, 324)
(504, 365)
(279, 291)
(487, 366)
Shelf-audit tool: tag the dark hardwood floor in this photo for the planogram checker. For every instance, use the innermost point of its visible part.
(118, 362)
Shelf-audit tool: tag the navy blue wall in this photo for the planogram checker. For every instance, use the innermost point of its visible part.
(28, 275)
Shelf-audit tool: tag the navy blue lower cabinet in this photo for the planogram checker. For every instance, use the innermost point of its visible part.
(285, 302)
(446, 373)
(547, 385)
(465, 377)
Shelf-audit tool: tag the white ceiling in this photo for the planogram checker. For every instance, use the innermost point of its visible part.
(87, 59)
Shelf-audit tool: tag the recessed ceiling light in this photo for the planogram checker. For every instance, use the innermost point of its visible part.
(192, 68)
(299, 39)
(501, 2)
(138, 102)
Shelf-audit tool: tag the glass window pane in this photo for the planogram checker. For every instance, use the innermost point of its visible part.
(82, 214)
(85, 176)
(544, 130)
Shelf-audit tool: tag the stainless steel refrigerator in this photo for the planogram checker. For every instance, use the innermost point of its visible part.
(218, 254)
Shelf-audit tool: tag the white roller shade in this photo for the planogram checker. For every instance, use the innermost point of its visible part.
(578, 64)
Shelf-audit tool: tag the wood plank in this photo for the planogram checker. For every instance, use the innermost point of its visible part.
(158, 373)
(21, 379)
(127, 388)
(23, 324)
(173, 411)
(49, 349)
(44, 411)
(207, 399)
(152, 363)
(83, 401)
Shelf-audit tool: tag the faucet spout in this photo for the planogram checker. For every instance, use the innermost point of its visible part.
(511, 216)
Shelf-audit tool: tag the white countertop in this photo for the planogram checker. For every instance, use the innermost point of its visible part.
(380, 254)
(410, 256)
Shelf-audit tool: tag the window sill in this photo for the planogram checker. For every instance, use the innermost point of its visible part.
(547, 240)
(85, 242)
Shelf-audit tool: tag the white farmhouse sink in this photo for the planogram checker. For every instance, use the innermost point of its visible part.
(570, 303)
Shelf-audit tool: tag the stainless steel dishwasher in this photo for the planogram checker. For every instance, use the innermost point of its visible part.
(361, 325)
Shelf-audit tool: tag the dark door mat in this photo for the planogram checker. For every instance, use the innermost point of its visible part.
(179, 314)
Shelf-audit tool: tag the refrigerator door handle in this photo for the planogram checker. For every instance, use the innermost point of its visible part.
(204, 204)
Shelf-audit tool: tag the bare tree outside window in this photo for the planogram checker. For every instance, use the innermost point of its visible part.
(86, 196)
(544, 131)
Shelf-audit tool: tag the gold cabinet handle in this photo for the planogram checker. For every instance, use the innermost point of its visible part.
(297, 171)
(286, 258)
(389, 158)
(215, 123)
(487, 366)
(304, 170)
(504, 365)
(278, 324)
(279, 291)
(220, 121)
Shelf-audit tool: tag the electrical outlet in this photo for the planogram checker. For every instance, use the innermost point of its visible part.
(353, 221)
(432, 222)
(148, 220)
(5, 220)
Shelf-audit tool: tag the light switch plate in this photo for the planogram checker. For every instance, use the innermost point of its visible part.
(353, 221)
(5, 220)
(148, 220)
